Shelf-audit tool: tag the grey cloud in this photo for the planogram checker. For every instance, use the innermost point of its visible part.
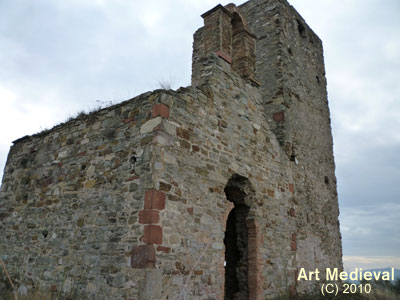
(85, 50)
(369, 202)
(371, 230)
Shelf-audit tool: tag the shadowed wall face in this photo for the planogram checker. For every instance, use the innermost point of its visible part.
(290, 69)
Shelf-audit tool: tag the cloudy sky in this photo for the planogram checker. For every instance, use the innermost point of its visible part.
(60, 57)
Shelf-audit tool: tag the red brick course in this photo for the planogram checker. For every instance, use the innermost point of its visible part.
(164, 249)
(224, 56)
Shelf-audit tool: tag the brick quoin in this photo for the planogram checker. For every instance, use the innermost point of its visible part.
(154, 199)
(149, 216)
(143, 257)
(160, 110)
(293, 292)
(293, 287)
(293, 246)
(152, 234)
(254, 276)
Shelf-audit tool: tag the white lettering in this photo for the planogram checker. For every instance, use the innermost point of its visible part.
(332, 274)
(302, 275)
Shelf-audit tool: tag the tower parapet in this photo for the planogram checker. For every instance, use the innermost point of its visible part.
(225, 33)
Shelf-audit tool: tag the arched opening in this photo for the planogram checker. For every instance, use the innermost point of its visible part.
(226, 34)
(238, 44)
(237, 23)
(243, 48)
(236, 241)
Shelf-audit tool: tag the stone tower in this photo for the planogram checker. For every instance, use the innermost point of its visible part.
(222, 190)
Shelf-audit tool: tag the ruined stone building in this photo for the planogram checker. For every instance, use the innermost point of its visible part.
(221, 190)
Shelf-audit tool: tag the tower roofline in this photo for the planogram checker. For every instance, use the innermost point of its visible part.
(219, 6)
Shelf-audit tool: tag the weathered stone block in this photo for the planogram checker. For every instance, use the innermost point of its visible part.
(292, 212)
(150, 125)
(279, 116)
(161, 138)
(151, 288)
(183, 133)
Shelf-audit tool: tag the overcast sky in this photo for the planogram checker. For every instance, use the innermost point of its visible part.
(60, 57)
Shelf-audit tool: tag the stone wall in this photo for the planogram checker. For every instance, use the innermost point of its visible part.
(220, 132)
(84, 203)
(290, 69)
(70, 202)
(149, 199)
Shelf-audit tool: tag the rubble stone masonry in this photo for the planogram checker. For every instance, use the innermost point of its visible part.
(221, 190)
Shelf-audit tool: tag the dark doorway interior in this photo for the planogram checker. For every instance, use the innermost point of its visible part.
(236, 245)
